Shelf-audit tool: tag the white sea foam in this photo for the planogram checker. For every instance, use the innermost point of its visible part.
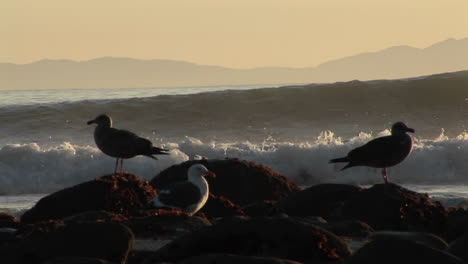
(32, 168)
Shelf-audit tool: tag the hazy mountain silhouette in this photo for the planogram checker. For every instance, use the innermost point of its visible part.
(108, 72)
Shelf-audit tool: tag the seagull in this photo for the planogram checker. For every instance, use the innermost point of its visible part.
(382, 152)
(188, 196)
(121, 144)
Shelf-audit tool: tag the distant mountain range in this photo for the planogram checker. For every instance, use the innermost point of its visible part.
(109, 72)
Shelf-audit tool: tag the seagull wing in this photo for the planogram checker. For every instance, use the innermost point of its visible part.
(181, 195)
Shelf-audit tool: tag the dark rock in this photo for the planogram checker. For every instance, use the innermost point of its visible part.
(426, 239)
(123, 194)
(273, 237)
(456, 223)
(8, 221)
(8, 235)
(94, 216)
(219, 206)
(165, 224)
(107, 241)
(242, 182)
(459, 247)
(75, 260)
(351, 228)
(262, 208)
(324, 200)
(235, 259)
(392, 207)
(402, 251)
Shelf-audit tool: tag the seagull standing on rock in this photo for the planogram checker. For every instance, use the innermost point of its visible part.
(382, 152)
(188, 196)
(121, 144)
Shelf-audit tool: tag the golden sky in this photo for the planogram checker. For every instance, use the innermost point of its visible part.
(232, 33)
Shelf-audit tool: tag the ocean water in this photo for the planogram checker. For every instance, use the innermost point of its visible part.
(45, 144)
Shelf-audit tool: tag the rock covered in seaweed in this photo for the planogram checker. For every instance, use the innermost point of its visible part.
(382, 206)
(123, 194)
(285, 238)
(107, 241)
(240, 181)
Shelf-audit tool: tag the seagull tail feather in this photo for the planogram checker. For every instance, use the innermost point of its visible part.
(159, 151)
(344, 159)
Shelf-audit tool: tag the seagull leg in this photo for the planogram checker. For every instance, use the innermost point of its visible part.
(116, 165)
(121, 165)
(384, 174)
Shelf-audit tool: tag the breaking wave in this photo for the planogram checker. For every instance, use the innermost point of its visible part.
(32, 168)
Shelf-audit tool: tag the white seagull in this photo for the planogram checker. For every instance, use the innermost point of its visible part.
(188, 196)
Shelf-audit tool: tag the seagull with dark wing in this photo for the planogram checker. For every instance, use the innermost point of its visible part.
(188, 196)
(121, 144)
(382, 152)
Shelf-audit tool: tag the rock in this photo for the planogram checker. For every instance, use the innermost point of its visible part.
(426, 239)
(107, 241)
(242, 182)
(8, 235)
(262, 208)
(75, 260)
(459, 247)
(324, 200)
(392, 207)
(235, 259)
(165, 225)
(351, 228)
(219, 206)
(273, 237)
(396, 250)
(123, 194)
(94, 216)
(456, 223)
(8, 221)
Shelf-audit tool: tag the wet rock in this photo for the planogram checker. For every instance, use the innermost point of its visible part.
(262, 208)
(427, 239)
(75, 260)
(165, 225)
(107, 241)
(242, 182)
(94, 216)
(351, 228)
(396, 250)
(8, 221)
(219, 206)
(459, 247)
(235, 259)
(273, 237)
(324, 200)
(123, 194)
(456, 223)
(392, 207)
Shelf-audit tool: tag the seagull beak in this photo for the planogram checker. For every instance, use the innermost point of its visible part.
(410, 130)
(211, 174)
(91, 122)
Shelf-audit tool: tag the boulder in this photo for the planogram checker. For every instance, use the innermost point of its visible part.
(284, 238)
(456, 223)
(8, 221)
(427, 239)
(106, 241)
(392, 207)
(166, 224)
(350, 228)
(459, 247)
(219, 206)
(240, 181)
(391, 250)
(123, 194)
(261, 208)
(77, 260)
(235, 259)
(324, 200)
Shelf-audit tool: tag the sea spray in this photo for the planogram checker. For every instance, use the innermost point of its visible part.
(32, 168)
